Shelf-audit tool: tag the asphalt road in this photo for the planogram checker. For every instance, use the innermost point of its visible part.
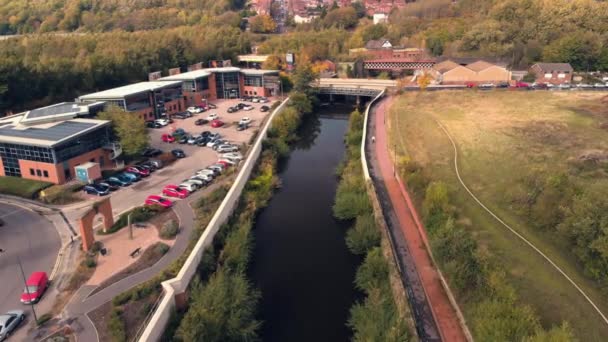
(33, 239)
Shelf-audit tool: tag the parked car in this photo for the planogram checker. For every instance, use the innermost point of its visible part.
(117, 181)
(196, 181)
(539, 85)
(232, 155)
(138, 171)
(133, 177)
(217, 167)
(486, 86)
(224, 163)
(148, 164)
(205, 178)
(190, 186)
(242, 127)
(247, 108)
(264, 109)
(206, 134)
(470, 84)
(227, 148)
(108, 185)
(263, 100)
(599, 85)
(183, 139)
(255, 99)
(153, 124)
(96, 189)
(216, 123)
(35, 286)
(195, 109)
(179, 131)
(157, 163)
(212, 116)
(522, 85)
(162, 122)
(168, 138)
(201, 122)
(564, 86)
(178, 153)
(502, 85)
(192, 139)
(208, 172)
(232, 109)
(158, 200)
(9, 322)
(202, 141)
(175, 191)
(216, 172)
(181, 116)
(151, 152)
(214, 141)
(245, 121)
(211, 105)
(228, 160)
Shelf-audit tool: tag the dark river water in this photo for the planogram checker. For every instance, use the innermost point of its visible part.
(301, 262)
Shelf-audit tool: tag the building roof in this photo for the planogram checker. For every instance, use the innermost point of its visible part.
(377, 44)
(258, 72)
(59, 111)
(480, 65)
(252, 58)
(50, 134)
(469, 60)
(131, 89)
(187, 76)
(557, 67)
(398, 60)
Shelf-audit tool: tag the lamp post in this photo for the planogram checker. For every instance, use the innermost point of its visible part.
(27, 290)
(130, 227)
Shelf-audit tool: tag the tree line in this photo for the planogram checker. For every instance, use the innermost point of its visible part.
(44, 69)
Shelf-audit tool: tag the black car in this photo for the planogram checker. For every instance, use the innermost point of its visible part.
(153, 124)
(109, 185)
(232, 109)
(242, 127)
(502, 85)
(202, 141)
(200, 122)
(241, 105)
(146, 165)
(182, 139)
(180, 116)
(264, 109)
(96, 189)
(205, 133)
(178, 153)
(151, 152)
(211, 105)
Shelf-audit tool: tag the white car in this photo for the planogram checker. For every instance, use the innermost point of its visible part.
(599, 85)
(212, 116)
(190, 186)
(204, 177)
(198, 182)
(162, 122)
(245, 121)
(248, 108)
(192, 140)
(232, 155)
(195, 110)
(255, 100)
(9, 322)
(264, 100)
(205, 172)
(226, 148)
(564, 86)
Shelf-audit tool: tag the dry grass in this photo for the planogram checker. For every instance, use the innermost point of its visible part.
(503, 136)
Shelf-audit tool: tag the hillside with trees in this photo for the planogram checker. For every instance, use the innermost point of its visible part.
(19, 16)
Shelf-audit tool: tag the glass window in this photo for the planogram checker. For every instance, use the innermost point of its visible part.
(45, 173)
(31, 172)
(254, 81)
(38, 173)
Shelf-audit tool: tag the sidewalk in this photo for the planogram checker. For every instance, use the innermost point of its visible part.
(443, 312)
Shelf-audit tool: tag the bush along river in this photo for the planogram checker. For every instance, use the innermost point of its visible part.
(301, 263)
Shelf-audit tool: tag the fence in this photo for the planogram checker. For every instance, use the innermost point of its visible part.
(172, 287)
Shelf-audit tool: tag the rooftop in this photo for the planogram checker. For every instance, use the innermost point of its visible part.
(49, 134)
(192, 75)
(252, 58)
(260, 72)
(555, 66)
(59, 111)
(121, 92)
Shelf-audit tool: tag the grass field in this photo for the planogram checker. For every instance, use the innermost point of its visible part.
(21, 187)
(503, 137)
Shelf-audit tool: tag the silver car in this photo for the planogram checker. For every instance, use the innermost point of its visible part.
(9, 322)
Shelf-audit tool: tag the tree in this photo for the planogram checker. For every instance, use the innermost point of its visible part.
(129, 128)
(424, 80)
(302, 77)
(345, 17)
(273, 62)
(581, 49)
(300, 102)
(262, 24)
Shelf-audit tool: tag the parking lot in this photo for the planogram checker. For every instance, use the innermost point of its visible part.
(197, 157)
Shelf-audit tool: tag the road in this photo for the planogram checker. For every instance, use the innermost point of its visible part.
(33, 239)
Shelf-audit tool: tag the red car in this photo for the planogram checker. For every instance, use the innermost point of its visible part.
(157, 200)
(216, 123)
(470, 85)
(175, 191)
(138, 170)
(35, 287)
(167, 138)
(224, 163)
(522, 85)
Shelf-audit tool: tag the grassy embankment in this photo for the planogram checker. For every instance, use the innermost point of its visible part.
(528, 156)
(378, 317)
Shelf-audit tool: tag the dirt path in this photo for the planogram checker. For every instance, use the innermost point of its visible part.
(445, 315)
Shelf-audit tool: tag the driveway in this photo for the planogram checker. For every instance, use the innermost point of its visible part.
(33, 239)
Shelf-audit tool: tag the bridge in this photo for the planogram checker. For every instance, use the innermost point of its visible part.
(353, 86)
(397, 64)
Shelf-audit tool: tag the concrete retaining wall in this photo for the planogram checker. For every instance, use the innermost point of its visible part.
(178, 285)
(363, 139)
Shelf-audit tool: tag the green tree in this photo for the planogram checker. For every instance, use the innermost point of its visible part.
(129, 128)
(345, 17)
(581, 49)
(262, 24)
(302, 77)
(364, 235)
(221, 310)
(300, 102)
(273, 62)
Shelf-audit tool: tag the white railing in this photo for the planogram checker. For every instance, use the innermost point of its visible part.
(363, 139)
(156, 326)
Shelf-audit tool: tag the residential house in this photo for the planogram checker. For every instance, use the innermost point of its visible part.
(554, 73)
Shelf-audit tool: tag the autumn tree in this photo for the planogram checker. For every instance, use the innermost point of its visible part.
(273, 62)
(262, 24)
(128, 127)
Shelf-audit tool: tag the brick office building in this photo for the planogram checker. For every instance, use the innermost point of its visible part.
(47, 143)
(148, 99)
(224, 83)
(554, 73)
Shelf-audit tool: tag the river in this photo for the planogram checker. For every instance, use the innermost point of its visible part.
(300, 261)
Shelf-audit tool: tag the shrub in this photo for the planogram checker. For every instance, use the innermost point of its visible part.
(122, 298)
(169, 230)
(161, 248)
(117, 326)
(90, 262)
(44, 318)
(62, 194)
(138, 214)
(364, 235)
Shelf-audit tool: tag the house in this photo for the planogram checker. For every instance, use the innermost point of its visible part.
(378, 44)
(470, 70)
(380, 18)
(554, 73)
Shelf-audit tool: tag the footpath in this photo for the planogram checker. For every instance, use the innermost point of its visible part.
(445, 315)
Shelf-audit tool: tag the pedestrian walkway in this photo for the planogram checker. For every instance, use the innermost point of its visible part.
(445, 315)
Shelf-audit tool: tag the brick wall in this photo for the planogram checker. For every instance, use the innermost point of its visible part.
(53, 173)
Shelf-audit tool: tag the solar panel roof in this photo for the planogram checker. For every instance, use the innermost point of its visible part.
(55, 133)
(61, 108)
